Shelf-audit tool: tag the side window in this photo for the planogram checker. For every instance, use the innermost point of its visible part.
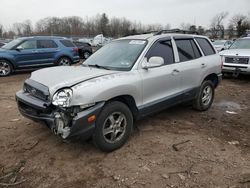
(29, 44)
(163, 49)
(46, 44)
(205, 46)
(185, 49)
(67, 43)
(197, 52)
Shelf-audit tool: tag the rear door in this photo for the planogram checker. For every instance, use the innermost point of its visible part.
(46, 51)
(161, 85)
(190, 65)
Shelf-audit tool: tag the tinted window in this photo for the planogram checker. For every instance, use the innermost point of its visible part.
(67, 43)
(197, 52)
(46, 44)
(205, 46)
(163, 49)
(185, 50)
(29, 44)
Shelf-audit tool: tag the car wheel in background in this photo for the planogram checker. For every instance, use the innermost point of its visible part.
(113, 126)
(205, 96)
(64, 61)
(5, 68)
(86, 55)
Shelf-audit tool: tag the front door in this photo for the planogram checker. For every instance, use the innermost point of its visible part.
(25, 54)
(161, 85)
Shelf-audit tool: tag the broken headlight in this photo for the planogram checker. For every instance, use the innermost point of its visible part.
(62, 98)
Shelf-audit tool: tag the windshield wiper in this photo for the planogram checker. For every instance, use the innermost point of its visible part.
(99, 66)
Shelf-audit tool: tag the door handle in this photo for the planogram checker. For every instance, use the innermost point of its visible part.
(175, 72)
(34, 51)
(203, 65)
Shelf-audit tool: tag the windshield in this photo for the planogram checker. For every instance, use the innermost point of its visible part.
(11, 44)
(219, 42)
(241, 44)
(117, 55)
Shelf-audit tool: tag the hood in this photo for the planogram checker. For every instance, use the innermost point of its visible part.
(66, 76)
(236, 52)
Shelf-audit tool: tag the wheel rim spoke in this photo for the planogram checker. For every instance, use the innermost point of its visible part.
(108, 131)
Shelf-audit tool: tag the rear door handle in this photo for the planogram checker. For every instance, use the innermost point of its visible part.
(175, 72)
(203, 65)
(34, 51)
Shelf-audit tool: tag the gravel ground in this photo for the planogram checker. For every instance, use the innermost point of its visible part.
(215, 152)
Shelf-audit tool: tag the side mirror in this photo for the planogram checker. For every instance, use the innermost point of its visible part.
(153, 62)
(19, 48)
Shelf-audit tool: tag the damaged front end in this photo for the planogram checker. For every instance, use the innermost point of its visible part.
(34, 103)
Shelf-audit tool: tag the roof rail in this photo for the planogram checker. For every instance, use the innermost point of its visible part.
(176, 31)
(142, 33)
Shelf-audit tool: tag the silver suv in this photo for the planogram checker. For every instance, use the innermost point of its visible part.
(236, 59)
(125, 80)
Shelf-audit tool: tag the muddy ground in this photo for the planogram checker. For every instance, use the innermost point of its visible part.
(216, 152)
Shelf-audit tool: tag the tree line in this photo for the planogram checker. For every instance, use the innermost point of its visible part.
(75, 26)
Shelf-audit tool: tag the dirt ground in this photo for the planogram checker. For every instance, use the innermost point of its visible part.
(216, 152)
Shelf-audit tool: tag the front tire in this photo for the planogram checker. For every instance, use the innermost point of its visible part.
(5, 68)
(205, 96)
(113, 126)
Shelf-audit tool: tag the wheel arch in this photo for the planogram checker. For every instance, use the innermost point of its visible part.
(130, 102)
(214, 78)
(11, 62)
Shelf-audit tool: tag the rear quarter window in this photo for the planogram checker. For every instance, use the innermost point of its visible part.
(206, 46)
(67, 43)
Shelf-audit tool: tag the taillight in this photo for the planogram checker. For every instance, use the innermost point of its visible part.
(75, 49)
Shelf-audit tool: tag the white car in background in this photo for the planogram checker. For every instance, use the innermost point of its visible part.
(236, 59)
(221, 45)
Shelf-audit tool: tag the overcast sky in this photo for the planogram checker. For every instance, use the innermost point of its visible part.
(174, 12)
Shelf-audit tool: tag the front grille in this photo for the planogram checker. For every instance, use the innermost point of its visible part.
(237, 60)
(36, 90)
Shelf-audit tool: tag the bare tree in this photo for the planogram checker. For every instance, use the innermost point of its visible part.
(241, 23)
(217, 25)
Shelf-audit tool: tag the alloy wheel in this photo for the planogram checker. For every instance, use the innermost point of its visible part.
(114, 127)
(64, 62)
(207, 95)
(5, 68)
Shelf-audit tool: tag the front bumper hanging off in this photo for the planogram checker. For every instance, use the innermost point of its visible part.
(38, 110)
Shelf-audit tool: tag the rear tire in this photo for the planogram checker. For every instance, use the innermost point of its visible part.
(205, 96)
(86, 55)
(64, 61)
(6, 68)
(113, 126)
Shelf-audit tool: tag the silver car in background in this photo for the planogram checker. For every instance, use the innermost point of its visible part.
(221, 45)
(236, 59)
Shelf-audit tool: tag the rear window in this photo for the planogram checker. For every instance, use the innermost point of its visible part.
(46, 44)
(205, 46)
(67, 43)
